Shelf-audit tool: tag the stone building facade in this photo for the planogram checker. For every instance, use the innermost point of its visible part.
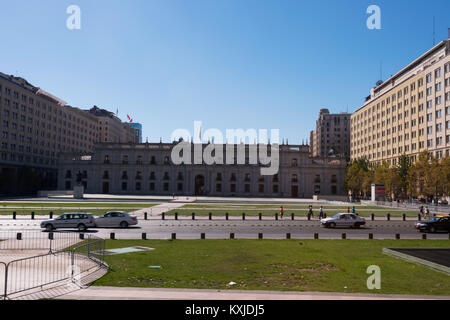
(408, 113)
(332, 135)
(147, 169)
(37, 126)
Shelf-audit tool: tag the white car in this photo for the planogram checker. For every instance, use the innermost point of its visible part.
(343, 220)
(116, 219)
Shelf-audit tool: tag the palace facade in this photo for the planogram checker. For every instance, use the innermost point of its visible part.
(147, 169)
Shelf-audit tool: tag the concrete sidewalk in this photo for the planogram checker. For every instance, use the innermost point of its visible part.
(128, 293)
(158, 209)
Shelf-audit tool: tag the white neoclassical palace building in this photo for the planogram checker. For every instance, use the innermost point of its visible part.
(148, 169)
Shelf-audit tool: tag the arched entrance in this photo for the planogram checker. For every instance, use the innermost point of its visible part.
(199, 185)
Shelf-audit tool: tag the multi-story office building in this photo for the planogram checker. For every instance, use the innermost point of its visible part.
(35, 128)
(111, 128)
(138, 131)
(147, 168)
(331, 136)
(408, 113)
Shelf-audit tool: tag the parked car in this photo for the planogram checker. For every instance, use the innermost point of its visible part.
(79, 220)
(434, 224)
(343, 220)
(116, 219)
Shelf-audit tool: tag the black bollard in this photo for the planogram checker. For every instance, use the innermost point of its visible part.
(144, 236)
(397, 236)
(309, 216)
(372, 216)
(51, 215)
(174, 236)
(226, 215)
(193, 215)
(288, 235)
(202, 236)
(371, 236)
(424, 236)
(243, 215)
(292, 216)
(276, 216)
(316, 236)
(344, 236)
(388, 217)
(260, 235)
(231, 235)
(81, 236)
(404, 216)
(50, 236)
(176, 215)
(419, 217)
(163, 216)
(210, 216)
(19, 236)
(32, 215)
(112, 236)
(260, 216)
(145, 215)
(14, 215)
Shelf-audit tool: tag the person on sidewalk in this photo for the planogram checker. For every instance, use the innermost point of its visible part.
(321, 213)
(281, 212)
(310, 212)
(427, 213)
(353, 209)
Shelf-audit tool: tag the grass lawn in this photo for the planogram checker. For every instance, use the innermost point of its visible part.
(77, 204)
(262, 206)
(287, 212)
(57, 212)
(25, 208)
(296, 265)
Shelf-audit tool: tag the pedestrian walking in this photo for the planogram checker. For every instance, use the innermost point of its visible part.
(310, 212)
(281, 212)
(427, 213)
(421, 210)
(353, 209)
(348, 209)
(321, 212)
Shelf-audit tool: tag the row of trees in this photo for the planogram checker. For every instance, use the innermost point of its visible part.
(428, 177)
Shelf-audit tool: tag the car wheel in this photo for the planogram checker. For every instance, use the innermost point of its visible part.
(124, 224)
(81, 227)
(332, 225)
(432, 229)
(49, 227)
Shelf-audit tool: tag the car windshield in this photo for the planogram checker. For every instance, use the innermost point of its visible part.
(433, 219)
(336, 216)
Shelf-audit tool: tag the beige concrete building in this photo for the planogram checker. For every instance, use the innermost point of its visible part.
(37, 126)
(111, 128)
(331, 136)
(408, 113)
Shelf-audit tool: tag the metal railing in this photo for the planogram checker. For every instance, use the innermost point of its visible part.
(37, 240)
(66, 262)
(415, 206)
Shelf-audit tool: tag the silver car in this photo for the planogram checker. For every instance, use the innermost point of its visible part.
(79, 220)
(116, 219)
(343, 220)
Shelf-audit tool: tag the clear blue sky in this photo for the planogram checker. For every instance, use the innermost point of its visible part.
(229, 63)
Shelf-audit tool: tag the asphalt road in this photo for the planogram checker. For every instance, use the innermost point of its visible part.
(192, 229)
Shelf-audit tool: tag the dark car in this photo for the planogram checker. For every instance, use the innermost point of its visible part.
(434, 224)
